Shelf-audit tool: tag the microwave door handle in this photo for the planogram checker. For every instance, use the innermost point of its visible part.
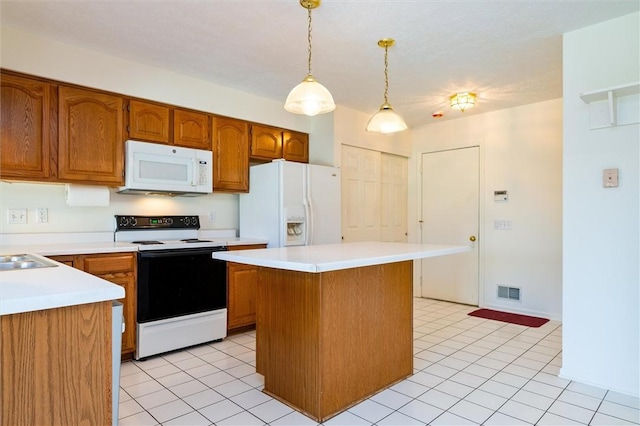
(194, 174)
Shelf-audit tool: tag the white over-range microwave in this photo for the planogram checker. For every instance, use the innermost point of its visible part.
(165, 169)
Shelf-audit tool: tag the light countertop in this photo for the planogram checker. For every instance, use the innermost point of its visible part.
(27, 290)
(53, 244)
(332, 257)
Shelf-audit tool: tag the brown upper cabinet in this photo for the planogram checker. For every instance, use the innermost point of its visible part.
(191, 129)
(159, 123)
(56, 132)
(148, 121)
(270, 143)
(295, 146)
(266, 142)
(230, 155)
(27, 113)
(90, 139)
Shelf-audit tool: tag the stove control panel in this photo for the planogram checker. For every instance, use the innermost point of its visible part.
(156, 222)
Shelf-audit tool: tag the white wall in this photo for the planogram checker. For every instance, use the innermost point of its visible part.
(521, 152)
(601, 321)
(349, 129)
(64, 218)
(31, 54)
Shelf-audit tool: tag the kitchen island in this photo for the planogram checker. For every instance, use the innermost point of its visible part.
(334, 322)
(56, 353)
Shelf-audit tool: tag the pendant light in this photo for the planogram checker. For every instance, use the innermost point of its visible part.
(386, 120)
(309, 97)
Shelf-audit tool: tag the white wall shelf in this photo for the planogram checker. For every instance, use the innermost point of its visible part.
(613, 106)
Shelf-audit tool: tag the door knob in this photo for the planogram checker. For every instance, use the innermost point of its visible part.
(472, 238)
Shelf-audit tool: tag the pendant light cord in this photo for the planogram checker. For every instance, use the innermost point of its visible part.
(386, 75)
(309, 36)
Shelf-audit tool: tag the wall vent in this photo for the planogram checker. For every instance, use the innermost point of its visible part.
(510, 293)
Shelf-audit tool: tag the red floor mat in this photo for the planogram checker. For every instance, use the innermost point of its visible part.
(508, 317)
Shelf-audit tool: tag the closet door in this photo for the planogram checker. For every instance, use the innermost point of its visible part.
(360, 194)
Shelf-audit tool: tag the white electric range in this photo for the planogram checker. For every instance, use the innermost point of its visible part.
(181, 290)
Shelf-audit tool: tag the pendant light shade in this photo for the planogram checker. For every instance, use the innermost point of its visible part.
(386, 120)
(309, 97)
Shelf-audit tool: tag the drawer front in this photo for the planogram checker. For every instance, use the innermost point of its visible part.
(108, 264)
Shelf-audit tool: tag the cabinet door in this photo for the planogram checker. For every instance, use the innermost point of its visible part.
(266, 142)
(148, 122)
(230, 155)
(242, 284)
(26, 116)
(295, 146)
(127, 281)
(191, 129)
(90, 143)
(118, 268)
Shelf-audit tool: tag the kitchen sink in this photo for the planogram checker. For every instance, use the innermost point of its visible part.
(23, 261)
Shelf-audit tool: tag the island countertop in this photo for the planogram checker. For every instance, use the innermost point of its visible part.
(52, 287)
(333, 257)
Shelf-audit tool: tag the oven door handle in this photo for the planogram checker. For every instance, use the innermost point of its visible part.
(155, 254)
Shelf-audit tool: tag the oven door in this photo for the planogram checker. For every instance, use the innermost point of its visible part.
(173, 283)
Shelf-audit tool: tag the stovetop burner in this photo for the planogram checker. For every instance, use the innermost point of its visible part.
(147, 242)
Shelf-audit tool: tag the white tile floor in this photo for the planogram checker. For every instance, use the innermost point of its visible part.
(467, 371)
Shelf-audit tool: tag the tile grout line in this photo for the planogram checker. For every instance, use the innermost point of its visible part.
(443, 323)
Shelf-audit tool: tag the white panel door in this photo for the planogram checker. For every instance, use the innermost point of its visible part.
(450, 194)
(360, 194)
(393, 198)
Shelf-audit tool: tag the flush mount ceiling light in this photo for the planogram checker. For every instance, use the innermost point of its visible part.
(386, 120)
(463, 101)
(309, 97)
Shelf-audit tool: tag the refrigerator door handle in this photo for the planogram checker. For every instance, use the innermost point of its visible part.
(308, 209)
(308, 224)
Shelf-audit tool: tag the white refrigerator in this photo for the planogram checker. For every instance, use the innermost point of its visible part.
(292, 204)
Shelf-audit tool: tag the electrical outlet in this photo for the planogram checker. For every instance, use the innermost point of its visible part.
(42, 215)
(17, 216)
(212, 216)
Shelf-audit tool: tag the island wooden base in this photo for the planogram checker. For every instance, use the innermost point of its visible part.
(56, 366)
(325, 341)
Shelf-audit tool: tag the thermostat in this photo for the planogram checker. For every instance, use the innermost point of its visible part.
(500, 196)
(610, 178)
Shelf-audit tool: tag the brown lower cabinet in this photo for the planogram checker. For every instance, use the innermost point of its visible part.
(242, 281)
(118, 268)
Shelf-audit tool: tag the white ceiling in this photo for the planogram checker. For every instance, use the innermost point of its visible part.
(508, 52)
